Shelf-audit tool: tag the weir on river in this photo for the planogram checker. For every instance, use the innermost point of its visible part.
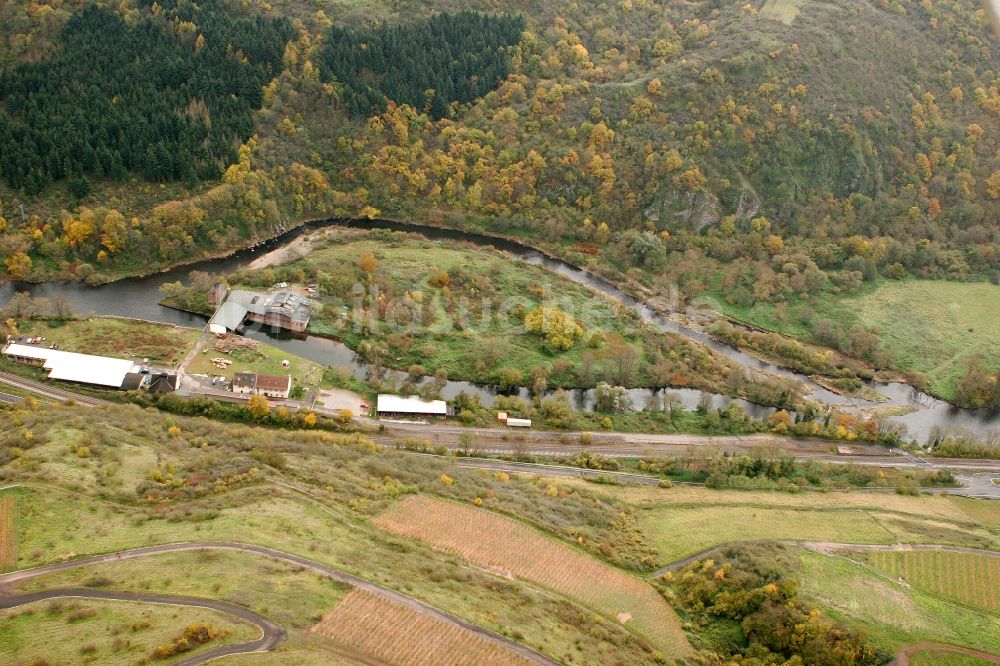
(139, 297)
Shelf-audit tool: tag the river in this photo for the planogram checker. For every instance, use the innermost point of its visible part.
(138, 298)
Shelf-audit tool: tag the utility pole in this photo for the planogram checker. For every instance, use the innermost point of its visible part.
(23, 216)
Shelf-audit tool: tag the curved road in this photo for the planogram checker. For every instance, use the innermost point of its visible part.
(272, 633)
(322, 569)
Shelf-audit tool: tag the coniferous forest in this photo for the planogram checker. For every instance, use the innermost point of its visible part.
(427, 64)
(169, 98)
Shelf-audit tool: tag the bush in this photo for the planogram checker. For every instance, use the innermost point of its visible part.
(510, 378)
(80, 614)
(194, 635)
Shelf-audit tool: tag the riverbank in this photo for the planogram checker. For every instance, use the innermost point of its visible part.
(640, 296)
(445, 310)
(138, 298)
(669, 412)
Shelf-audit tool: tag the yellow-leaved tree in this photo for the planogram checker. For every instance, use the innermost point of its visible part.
(558, 328)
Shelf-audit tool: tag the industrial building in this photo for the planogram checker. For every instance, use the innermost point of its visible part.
(79, 368)
(281, 310)
(398, 405)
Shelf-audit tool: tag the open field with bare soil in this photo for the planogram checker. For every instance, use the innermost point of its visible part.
(969, 579)
(515, 550)
(399, 635)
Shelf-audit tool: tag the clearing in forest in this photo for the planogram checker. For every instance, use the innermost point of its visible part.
(964, 577)
(8, 531)
(782, 10)
(401, 635)
(514, 549)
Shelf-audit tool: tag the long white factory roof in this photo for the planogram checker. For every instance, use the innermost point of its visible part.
(73, 367)
(398, 404)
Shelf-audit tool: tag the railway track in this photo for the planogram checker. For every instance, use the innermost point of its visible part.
(50, 392)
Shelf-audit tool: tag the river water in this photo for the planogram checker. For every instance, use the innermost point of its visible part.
(138, 298)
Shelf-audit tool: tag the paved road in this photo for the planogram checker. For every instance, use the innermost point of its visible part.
(976, 484)
(827, 548)
(272, 634)
(322, 569)
(489, 441)
(632, 445)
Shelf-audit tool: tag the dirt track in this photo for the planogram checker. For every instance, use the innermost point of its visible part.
(10, 601)
(903, 656)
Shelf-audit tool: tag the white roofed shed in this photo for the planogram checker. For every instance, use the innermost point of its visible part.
(73, 367)
(398, 404)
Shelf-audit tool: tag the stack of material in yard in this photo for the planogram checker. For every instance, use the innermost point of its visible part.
(231, 342)
(221, 363)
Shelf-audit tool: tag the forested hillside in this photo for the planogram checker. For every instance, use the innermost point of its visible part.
(427, 64)
(166, 98)
(827, 145)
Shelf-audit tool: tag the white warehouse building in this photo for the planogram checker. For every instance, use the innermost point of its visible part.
(72, 367)
(398, 405)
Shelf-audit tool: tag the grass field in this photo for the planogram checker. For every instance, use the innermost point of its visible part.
(105, 632)
(925, 506)
(929, 326)
(58, 526)
(291, 596)
(933, 326)
(891, 613)
(984, 511)
(512, 549)
(406, 266)
(400, 635)
(8, 531)
(678, 532)
(447, 307)
(162, 344)
(969, 579)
